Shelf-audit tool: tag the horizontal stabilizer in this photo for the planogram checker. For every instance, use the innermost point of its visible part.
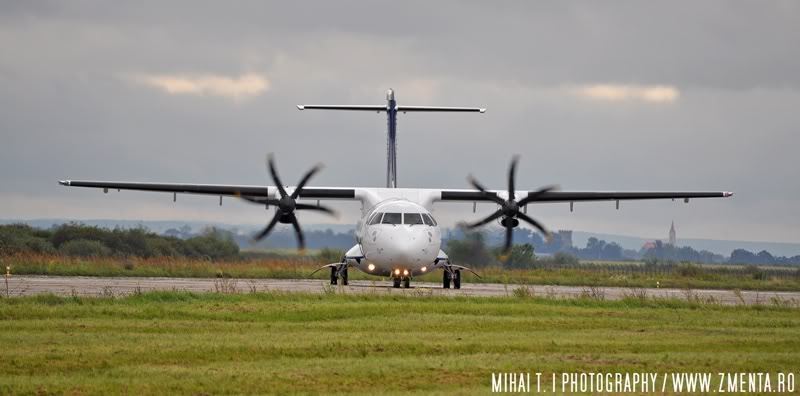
(343, 107)
(440, 108)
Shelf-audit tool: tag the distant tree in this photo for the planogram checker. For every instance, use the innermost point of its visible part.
(521, 256)
(84, 248)
(470, 250)
(565, 258)
(21, 238)
(741, 256)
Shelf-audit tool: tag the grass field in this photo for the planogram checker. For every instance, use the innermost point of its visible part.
(297, 267)
(163, 343)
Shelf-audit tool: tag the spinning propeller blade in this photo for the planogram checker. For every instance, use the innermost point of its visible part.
(510, 208)
(287, 204)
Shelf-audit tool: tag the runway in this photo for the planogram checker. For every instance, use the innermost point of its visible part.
(100, 286)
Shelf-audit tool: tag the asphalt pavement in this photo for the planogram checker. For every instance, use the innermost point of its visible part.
(102, 286)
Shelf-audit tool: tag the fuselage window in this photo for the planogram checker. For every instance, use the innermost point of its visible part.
(412, 218)
(427, 220)
(376, 218)
(431, 218)
(392, 218)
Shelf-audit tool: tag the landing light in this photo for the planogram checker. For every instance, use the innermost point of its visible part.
(405, 272)
(371, 267)
(424, 269)
(397, 272)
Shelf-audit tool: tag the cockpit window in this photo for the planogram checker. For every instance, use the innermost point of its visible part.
(376, 218)
(427, 220)
(431, 218)
(412, 218)
(392, 218)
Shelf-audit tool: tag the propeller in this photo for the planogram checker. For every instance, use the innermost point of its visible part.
(287, 204)
(509, 209)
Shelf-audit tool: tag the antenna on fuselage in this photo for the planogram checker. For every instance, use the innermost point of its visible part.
(391, 108)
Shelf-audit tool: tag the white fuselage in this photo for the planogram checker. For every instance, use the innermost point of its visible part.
(397, 237)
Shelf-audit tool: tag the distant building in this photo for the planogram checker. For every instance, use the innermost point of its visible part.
(647, 246)
(672, 238)
(566, 238)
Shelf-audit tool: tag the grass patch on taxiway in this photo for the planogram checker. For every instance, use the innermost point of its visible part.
(176, 342)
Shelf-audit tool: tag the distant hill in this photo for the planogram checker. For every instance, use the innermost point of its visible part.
(725, 248)
(579, 238)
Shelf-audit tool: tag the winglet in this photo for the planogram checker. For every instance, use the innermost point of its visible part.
(64, 182)
(301, 107)
(727, 194)
(482, 110)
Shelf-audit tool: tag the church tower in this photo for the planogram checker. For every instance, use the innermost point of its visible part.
(672, 238)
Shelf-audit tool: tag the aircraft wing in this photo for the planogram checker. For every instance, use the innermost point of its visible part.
(580, 196)
(259, 193)
(244, 191)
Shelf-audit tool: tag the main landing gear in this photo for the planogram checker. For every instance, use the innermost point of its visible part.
(452, 275)
(337, 272)
(449, 274)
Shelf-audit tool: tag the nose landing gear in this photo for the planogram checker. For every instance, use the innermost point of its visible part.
(406, 281)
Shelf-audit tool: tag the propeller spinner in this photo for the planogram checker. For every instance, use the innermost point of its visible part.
(287, 204)
(510, 208)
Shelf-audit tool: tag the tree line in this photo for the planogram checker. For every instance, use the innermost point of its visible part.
(474, 247)
(79, 240)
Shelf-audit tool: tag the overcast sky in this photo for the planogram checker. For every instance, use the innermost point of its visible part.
(607, 96)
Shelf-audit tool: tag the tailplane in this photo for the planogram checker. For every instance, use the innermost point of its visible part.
(391, 108)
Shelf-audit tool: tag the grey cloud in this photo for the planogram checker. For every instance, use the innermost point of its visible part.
(69, 111)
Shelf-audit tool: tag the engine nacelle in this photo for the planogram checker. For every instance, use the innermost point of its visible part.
(506, 221)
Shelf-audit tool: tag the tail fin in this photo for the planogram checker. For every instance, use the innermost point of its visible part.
(391, 108)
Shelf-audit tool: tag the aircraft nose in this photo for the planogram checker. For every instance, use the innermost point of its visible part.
(405, 247)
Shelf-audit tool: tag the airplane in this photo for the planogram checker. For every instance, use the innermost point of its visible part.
(396, 234)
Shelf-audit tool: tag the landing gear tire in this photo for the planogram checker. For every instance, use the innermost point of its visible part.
(457, 279)
(446, 279)
(396, 283)
(406, 282)
(334, 278)
(343, 274)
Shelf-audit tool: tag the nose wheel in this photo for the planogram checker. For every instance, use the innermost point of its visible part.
(404, 281)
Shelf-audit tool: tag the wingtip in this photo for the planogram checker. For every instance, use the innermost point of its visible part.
(64, 182)
(482, 110)
(301, 107)
(727, 194)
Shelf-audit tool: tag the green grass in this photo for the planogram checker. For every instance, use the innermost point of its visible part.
(172, 342)
(297, 267)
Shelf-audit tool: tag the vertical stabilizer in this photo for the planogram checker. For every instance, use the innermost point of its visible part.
(391, 108)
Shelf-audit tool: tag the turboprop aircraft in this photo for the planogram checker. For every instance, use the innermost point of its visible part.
(396, 235)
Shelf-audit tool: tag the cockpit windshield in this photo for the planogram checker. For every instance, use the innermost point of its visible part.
(392, 218)
(433, 222)
(427, 220)
(376, 218)
(412, 218)
(401, 218)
